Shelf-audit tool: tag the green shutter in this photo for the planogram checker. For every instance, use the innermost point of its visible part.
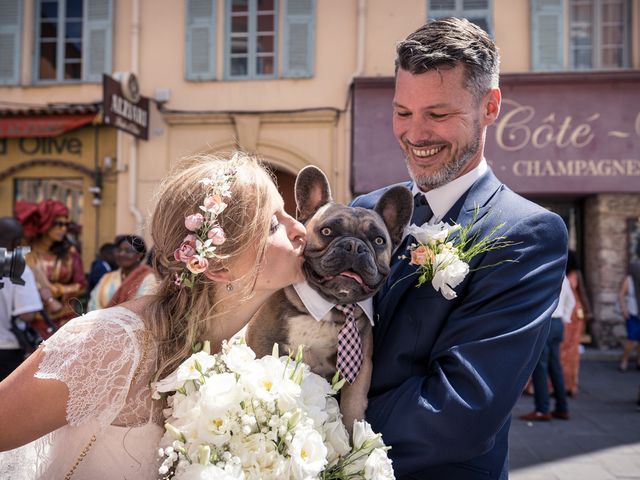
(97, 39)
(299, 38)
(10, 23)
(200, 40)
(547, 35)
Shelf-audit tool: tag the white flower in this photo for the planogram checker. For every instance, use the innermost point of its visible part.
(308, 454)
(431, 233)
(337, 439)
(190, 369)
(238, 357)
(196, 471)
(449, 272)
(378, 466)
(364, 437)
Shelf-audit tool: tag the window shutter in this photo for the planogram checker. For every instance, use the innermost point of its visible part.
(299, 38)
(97, 39)
(200, 42)
(10, 23)
(547, 35)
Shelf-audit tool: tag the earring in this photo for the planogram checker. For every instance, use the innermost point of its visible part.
(229, 287)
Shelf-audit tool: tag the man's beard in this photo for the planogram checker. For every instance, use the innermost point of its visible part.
(451, 169)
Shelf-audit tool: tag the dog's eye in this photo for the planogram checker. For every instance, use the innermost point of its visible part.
(379, 241)
(326, 231)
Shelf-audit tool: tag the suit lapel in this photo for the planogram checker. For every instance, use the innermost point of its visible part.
(401, 278)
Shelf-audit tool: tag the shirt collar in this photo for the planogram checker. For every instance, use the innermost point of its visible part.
(318, 307)
(441, 199)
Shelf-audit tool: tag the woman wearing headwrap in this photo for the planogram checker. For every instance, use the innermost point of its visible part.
(56, 264)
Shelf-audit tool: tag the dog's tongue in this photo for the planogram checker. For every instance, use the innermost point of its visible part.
(352, 275)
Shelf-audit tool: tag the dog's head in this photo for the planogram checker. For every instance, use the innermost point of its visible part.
(348, 249)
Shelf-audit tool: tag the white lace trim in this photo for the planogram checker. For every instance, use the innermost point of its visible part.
(96, 356)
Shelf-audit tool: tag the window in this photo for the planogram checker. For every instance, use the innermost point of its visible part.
(66, 190)
(262, 39)
(598, 33)
(10, 23)
(73, 40)
(598, 36)
(476, 11)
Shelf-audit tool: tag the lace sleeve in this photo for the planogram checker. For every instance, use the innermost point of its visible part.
(95, 356)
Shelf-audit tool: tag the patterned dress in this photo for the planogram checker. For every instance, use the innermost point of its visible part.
(570, 346)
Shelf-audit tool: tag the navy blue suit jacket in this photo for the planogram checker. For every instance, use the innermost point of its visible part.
(446, 373)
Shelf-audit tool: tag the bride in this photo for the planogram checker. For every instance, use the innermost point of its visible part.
(84, 396)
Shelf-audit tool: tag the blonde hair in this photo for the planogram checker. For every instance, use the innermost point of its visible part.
(177, 316)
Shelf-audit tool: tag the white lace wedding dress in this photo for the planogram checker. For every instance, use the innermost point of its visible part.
(106, 359)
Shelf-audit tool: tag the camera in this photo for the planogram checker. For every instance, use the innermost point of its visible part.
(12, 264)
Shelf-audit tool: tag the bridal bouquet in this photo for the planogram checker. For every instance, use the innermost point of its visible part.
(443, 258)
(233, 416)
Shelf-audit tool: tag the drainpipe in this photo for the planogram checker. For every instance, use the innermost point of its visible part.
(360, 52)
(133, 151)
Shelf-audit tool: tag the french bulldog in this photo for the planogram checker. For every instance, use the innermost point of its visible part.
(346, 260)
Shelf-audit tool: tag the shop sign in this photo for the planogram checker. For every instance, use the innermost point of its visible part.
(124, 108)
(556, 134)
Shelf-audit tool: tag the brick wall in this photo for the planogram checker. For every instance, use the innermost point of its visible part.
(606, 257)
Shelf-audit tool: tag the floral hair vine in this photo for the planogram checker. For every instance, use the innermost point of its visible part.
(206, 233)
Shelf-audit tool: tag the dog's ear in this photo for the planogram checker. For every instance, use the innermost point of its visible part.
(312, 191)
(395, 207)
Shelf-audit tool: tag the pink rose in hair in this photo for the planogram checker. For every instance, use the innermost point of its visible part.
(214, 203)
(217, 236)
(186, 250)
(194, 222)
(197, 264)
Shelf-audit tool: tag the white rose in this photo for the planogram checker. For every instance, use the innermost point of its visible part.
(308, 454)
(238, 357)
(378, 466)
(450, 271)
(190, 369)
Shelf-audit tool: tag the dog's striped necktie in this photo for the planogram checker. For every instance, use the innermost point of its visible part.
(349, 344)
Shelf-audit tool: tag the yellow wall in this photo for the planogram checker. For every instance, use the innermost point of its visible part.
(94, 233)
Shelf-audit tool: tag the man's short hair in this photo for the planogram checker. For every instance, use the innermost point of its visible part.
(449, 42)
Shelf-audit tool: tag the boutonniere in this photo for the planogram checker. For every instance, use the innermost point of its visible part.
(442, 252)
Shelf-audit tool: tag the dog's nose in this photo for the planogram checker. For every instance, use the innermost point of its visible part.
(353, 245)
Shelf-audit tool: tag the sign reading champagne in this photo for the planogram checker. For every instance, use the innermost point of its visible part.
(574, 133)
(124, 108)
(568, 135)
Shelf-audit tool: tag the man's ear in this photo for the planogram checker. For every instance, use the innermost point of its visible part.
(222, 275)
(491, 106)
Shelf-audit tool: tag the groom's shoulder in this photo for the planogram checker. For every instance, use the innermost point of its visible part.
(515, 208)
(369, 200)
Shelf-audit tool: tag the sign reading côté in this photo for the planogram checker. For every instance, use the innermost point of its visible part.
(124, 108)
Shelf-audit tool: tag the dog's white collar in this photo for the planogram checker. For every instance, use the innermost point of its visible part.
(318, 307)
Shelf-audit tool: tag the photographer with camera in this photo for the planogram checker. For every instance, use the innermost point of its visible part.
(21, 301)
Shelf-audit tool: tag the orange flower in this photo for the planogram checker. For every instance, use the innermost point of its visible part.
(422, 255)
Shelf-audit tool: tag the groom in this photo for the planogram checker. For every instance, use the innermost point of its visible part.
(448, 372)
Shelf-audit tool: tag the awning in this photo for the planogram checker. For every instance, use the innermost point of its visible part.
(15, 127)
(20, 120)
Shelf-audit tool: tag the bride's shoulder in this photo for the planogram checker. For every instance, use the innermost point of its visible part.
(113, 318)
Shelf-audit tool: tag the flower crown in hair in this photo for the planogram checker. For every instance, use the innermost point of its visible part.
(206, 233)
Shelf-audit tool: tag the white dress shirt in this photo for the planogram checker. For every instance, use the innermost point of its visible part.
(566, 302)
(318, 307)
(441, 199)
(16, 300)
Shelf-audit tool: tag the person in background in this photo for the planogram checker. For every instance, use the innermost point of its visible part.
(133, 278)
(56, 264)
(629, 300)
(549, 366)
(570, 346)
(15, 301)
(104, 263)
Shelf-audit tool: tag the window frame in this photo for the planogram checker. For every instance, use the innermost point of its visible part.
(252, 55)
(460, 12)
(596, 39)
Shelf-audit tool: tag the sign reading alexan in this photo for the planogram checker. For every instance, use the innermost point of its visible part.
(123, 111)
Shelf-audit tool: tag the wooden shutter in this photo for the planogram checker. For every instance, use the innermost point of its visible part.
(10, 23)
(201, 40)
(299, 38)
(547, 35)
(97, 39)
